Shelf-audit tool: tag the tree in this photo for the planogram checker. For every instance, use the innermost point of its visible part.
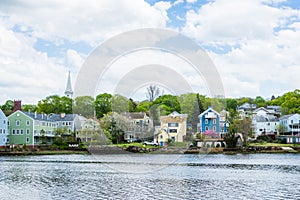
(143, 106)
(84, 105)
(120, 104)
(167, 104)
(29, 108)
(260, 102)
(103, 104)
(8, 107)
(153, 92)
(55, 104)
(289, 102)
(281, 128)
(115, 125)
(243, 126)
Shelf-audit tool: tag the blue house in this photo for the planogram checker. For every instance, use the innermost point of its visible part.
(3, 129)
(209, 123)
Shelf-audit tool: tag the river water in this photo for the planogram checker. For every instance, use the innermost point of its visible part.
(146, 176)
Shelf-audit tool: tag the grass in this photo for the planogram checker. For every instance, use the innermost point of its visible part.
(179, 144)
(265, 144)
(138, 144)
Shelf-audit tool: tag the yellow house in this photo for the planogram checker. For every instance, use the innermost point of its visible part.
(172, 127)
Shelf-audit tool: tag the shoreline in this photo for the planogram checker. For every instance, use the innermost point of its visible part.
(110, 150)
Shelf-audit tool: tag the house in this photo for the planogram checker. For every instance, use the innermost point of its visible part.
(210, 123)
(3, 129)
(88, 130)
(246, 109)
(291, 124)
(37, 129)
(264, 121)
(172, 126)
(224, 122)
(141, 126)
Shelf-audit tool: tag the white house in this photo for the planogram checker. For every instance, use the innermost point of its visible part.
(291, 123)
(264, 122)
(3, 129)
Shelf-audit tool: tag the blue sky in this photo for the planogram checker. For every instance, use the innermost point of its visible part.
(254, 44)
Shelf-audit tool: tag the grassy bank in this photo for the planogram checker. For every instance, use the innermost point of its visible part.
(265, 144)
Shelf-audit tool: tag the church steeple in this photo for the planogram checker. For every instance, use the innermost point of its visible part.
(69, 91)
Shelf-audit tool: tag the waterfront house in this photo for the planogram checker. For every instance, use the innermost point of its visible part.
(265, 122)
(3, 129)
(246, 109)
(140, 128)
(172, 126)
(291, 124)
(209, 123)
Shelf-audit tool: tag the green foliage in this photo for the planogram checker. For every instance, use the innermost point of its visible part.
(260, 102)
(103, 104)
(143, 106)
(55, 104)
(84, 105)
(28, 107)
(168, 104)
(289, 102)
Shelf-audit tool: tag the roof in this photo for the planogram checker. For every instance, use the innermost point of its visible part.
(287, 116)
(51, 117)
(134, 115)
(210, 109)
(268, 118)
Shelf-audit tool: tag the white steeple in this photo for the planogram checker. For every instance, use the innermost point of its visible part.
(69, 91)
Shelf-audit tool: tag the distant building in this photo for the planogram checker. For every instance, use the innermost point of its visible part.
(246, 109)
(172, 127)
(141, 126)
(209, 123)
(264, 121)
(69, 91)
(3, 129)
(292, 128)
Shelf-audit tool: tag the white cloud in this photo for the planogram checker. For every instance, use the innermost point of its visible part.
(191, 1)
(261, 43)
(25, 73)
(92, 21)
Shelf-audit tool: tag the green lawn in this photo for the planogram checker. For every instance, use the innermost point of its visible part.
(265, 144)
(138, 144)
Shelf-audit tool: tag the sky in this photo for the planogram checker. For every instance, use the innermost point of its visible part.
(254, 44)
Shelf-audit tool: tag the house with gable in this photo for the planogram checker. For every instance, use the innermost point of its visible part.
(141, 126)
(172, 126)
(3, 129)
(291, 124)
(265, 122)
(209, 123)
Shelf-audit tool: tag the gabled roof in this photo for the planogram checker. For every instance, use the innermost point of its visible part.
(2, 115)
(210, 109)
(268, 118)
(287, 116)
(134, 115)
(50, 117)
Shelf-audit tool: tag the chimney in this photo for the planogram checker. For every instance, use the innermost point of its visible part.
(17, 105)
(35, 114)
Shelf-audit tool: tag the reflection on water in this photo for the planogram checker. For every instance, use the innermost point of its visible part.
(144, 176)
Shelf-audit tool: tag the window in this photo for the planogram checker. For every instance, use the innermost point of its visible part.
(4, 140)
(27, 122)
(13, 131)
(172, 124)
(206, 128)
(27, 131)
(292, 121)
(27, 139)
(214, 121)
(18, 123)
(8, 123)
(173, 139)
(22, 131)
(161, 136)
(3, 131)
(206, 121)
(173, 130)
(4, 122)
(18, 131)
(0, 131)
